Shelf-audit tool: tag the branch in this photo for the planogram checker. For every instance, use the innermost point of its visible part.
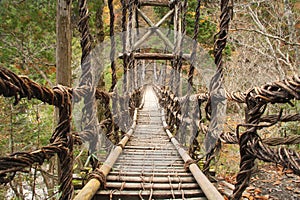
(267, 35)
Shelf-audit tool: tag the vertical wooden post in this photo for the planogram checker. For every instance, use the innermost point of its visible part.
(63, 77)
(154, 71)
(63, 42)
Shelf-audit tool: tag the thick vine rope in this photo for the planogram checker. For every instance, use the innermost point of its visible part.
(12, 85)
(195, 44)
(217, 103)
(194, 140)
(112, 44)
(251, 146)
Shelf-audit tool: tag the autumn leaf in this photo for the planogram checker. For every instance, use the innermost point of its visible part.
(257, 191)
(277, 182)
(265, 197)
(289, 188)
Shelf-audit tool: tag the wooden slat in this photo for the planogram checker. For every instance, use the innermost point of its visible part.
(180, 174)
(153, 179)
(160, 186)
(148, 170)
(156, 194)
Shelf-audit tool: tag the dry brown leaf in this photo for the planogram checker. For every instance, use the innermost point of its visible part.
(296, 181)
(255, 178)
(251, 188)
(257, 191)
(289, 188)
(265, 197)
(246, 195)
(297, 191)
(267, 181)
(277, 182)
(289, 171)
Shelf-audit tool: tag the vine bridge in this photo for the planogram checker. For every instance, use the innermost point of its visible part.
(148, 144)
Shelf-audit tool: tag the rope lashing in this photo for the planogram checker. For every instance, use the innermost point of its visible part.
(188, 163)
(98, 174)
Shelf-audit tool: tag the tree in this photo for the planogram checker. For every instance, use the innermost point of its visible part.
(265, 40)
(63, 42)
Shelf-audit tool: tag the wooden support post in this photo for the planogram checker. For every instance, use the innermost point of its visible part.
(143, 71)
(154, 71)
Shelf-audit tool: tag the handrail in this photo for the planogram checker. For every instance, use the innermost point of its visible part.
(91, 188)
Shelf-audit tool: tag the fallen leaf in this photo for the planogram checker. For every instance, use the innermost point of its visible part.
(250, 189)
(289, 171)
(297, 190)
(257, 191)
(277, 182)
(289, 188)
(265, 197)
(267, 181)
(296, 181)
(246, 195)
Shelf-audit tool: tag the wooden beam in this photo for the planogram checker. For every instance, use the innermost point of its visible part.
(164, 3)
(155, 56)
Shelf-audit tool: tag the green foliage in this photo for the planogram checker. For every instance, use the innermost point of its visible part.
(27, 37)
(290, 128)
(207, 25)
(28, 125)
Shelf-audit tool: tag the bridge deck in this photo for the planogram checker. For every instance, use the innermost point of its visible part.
(150, 167)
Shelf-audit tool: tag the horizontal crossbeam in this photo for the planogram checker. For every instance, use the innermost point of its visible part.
(164, 3)
(155, 56)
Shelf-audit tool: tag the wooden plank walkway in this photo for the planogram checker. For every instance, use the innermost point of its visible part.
(150, 166)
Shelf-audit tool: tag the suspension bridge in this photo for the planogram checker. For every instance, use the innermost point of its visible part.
(152, 114)
(151, 164)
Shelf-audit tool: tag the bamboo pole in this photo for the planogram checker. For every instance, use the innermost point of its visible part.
(91, 188)
(207, 187)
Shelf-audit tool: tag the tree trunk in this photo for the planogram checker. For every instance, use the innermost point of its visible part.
(63, 42)
(63, 53)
